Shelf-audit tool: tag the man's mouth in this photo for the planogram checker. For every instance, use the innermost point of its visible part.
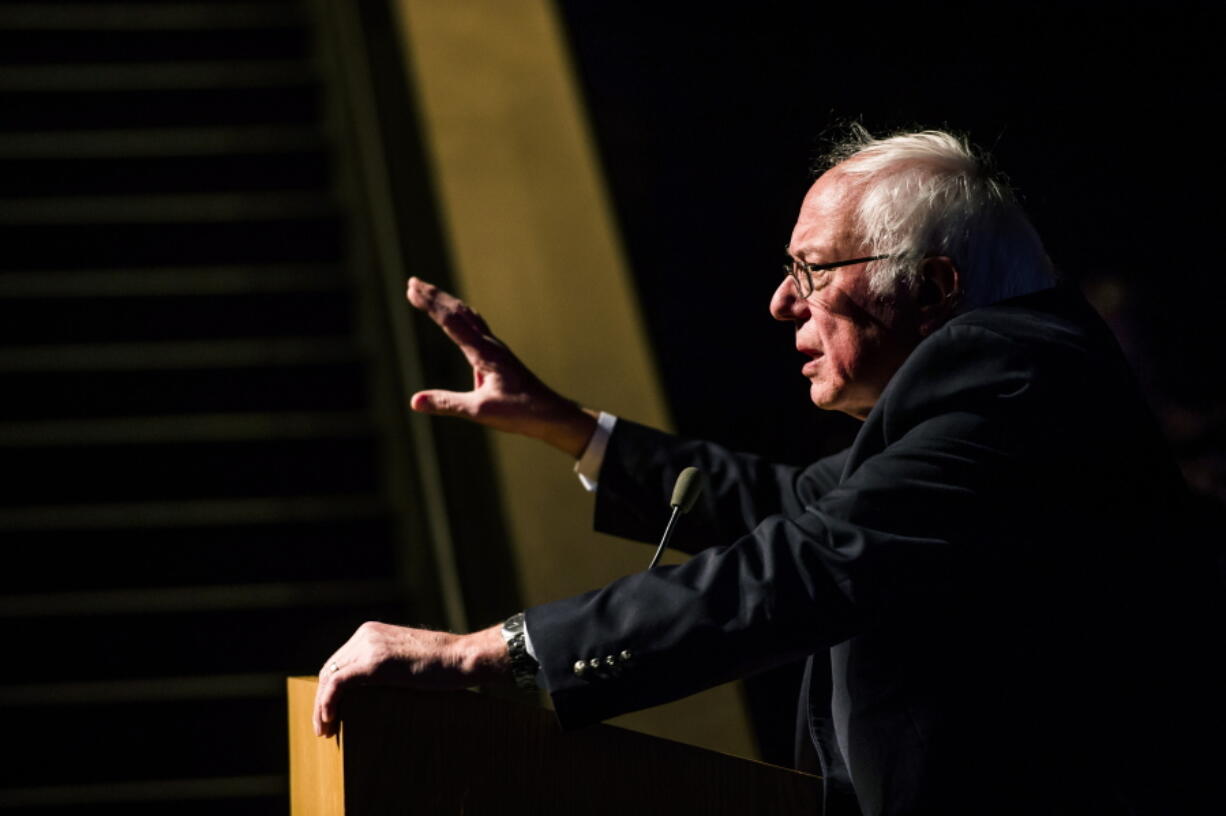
(810, 367)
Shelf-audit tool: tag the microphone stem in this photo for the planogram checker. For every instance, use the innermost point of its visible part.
(668, 533)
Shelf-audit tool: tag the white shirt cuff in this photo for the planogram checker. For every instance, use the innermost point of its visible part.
(587, 468)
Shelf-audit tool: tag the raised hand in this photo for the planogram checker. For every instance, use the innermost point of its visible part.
(506, 395)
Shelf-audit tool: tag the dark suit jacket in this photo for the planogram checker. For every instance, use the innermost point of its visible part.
(1014, 617)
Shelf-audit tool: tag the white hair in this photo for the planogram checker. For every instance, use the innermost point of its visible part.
(929, 193)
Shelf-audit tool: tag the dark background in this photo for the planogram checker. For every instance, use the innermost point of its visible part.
(710, 120)
(142, 676)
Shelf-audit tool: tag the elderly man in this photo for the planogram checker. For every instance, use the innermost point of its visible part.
(990, 585)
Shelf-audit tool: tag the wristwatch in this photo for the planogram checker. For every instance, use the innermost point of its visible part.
(523, 665)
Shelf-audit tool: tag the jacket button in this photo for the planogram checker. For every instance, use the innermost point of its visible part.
(594, 663)
(625, 655)
(580, 667)
(610, 661)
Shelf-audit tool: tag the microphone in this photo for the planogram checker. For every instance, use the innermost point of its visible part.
(685, 493)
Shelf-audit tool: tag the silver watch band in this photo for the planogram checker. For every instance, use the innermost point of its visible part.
(523, 665)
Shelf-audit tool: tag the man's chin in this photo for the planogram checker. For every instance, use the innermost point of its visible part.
(835, 399)
(824, 397)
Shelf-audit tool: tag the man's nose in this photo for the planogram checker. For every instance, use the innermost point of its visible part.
(786, 304)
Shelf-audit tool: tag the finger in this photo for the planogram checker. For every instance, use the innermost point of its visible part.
(327, 699)
(479, 322)
(317, 722)
(465, 327)
(430, 299)
(445, 403)
(421, 293)
(438, 303)
(324, 676)
(317, 719)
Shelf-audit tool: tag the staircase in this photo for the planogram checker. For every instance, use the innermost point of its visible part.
(198, 496)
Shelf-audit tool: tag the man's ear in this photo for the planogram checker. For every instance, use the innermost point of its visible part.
(939, 292)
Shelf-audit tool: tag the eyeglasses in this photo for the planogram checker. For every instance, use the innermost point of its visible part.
(802, 273)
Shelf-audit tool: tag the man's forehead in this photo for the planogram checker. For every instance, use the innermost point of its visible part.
(826, 223)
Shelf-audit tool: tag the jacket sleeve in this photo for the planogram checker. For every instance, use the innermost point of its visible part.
(641, 465)
(819, 569)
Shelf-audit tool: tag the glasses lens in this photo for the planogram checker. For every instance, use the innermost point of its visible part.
(800, 279)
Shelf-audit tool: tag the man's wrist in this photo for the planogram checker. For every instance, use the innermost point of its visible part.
(482, 656)
(571, 431)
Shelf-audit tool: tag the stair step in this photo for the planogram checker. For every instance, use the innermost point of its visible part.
(161, 17)
(170, 281)
(250, 795)
(190, 513)
(105, 647)
(181, 471)
(158, 600)
(303, 384)
(240, 243)
(86, 110)
(148, 430)
(165, 209)
(44, 321)
(217, 518)
(202, 141)
(145, 690)
(44, 46)
(265, 352)
(322, 549)
(85, 745)
(155, 76)
(160, 176)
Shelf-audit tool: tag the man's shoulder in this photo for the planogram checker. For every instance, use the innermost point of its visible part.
(1055, 317)
(1047, 331)
(1043, 350)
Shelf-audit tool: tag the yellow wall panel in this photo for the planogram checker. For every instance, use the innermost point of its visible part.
(536, 251)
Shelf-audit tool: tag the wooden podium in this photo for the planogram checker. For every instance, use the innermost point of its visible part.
(408, 752)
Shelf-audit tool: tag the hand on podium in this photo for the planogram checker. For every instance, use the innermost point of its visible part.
(506, 395)
(383, 654)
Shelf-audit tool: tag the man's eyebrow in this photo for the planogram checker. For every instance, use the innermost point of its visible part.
(787, 250)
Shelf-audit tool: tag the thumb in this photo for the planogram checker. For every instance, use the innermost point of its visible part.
(447, 403)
